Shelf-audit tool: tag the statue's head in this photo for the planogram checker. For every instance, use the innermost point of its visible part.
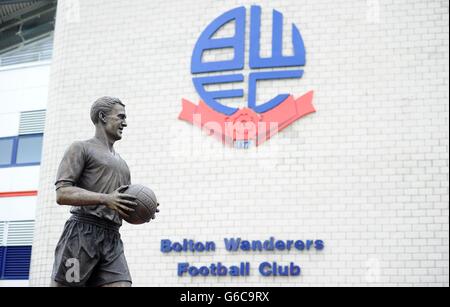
(108, 114)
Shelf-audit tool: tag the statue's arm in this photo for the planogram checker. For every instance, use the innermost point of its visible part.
(75, 196)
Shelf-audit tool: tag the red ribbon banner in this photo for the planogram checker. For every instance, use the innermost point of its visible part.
(246, 124)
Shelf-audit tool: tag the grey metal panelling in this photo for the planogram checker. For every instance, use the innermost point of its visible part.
(32, 122)
(6, 10)
(40, 50)
(20, 233)
(2, 233)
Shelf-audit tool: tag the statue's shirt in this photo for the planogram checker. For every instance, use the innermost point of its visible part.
(91, 166)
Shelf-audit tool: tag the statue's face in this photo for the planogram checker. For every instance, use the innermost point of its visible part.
(116, 122)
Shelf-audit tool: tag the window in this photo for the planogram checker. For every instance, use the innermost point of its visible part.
(29, 149)
(15, 262)
(21, 150)
(16, 238)
(6, 150)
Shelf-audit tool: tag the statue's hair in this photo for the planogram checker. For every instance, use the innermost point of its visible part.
(103, 104)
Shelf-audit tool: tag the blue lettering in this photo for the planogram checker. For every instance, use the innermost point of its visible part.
(234, 270)
(210, 246)
(268, 244)
(221, 270)
(282, 270)
(319, 245)
(299, 245)
(166, 246)
(177, 247)
(210, 97)
(274, 269)
(271, 75)
(265, 269)
(289, 244)
(257, 245)
(245, 245)
(204, 271)
(206, 42)
(182, 268)
(193, 271)
(232, 245)
(237, 44)
(294, 270)
(199, 247)
(277, 59)
(280, 245)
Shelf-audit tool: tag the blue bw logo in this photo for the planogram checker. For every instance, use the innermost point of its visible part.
(259, 120)
(262, 68)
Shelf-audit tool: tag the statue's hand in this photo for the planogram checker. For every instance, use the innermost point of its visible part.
(120, 202)
(156, 211)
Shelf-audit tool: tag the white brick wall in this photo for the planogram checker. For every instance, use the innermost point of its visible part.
(367, 173)
(23, 87)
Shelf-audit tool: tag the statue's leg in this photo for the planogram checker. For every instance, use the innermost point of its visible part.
(112, 270)
(55, 284)
(118, 284)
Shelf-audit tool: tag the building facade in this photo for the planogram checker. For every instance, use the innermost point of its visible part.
(26, 39)
(24, 76)
(366, 174)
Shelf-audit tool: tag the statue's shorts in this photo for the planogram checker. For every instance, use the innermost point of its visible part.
(90, 253)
